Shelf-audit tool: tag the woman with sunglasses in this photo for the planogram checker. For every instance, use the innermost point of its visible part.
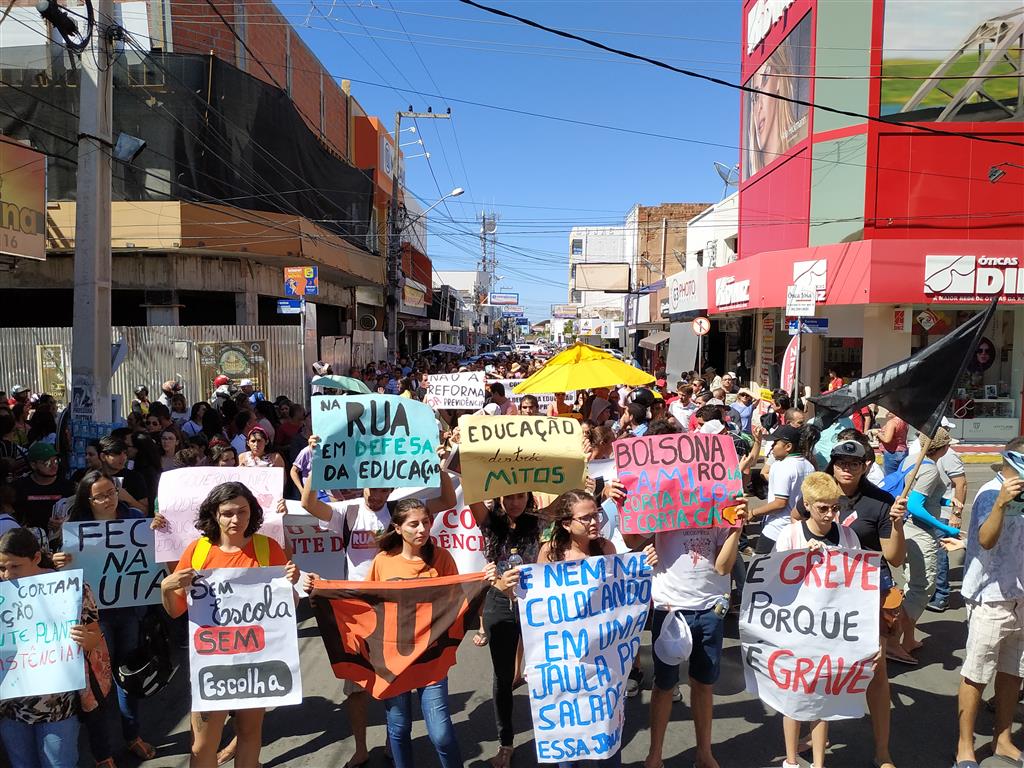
(258, 456)
(820, 530)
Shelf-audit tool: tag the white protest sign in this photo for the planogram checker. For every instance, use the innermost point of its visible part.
(37, 654)
(181, 491)
(243, 640)
(455, 391)
(456, 530)
(581, 623)
(119, 560)
(544, 401)
(809, 631)
(315, 550)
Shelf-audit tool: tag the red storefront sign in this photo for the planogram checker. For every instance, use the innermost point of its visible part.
(875, 272)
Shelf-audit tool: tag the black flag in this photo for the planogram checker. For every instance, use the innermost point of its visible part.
(916, 389)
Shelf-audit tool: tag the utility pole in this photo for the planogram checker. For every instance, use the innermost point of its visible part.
(488, 263)
(394, 272)
(90, 337)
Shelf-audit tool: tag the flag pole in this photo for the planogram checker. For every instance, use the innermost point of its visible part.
(926, 443)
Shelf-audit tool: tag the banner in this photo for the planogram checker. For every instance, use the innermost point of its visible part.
(511, 454)
(395, 636)
(677, 481)
(581, 624)
(23, 224)
(455, 391)
(118, 558)
(787, 374)
(809, 631)
(314, 549)
(242, 639)
(544, 401)
(37, 654)
(182, 491)
(456, 531)
(236, 359)
(374, 441)
(53, 378)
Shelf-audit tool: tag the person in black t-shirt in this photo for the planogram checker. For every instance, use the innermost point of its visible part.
(38, 491)
(877, 519)
(132, 487)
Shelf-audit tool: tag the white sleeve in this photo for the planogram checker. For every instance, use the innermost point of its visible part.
(780, 481)
(337, 522)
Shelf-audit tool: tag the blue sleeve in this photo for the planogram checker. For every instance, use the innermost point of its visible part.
(915, 505)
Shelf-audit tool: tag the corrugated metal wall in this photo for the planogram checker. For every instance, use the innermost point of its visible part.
(156, 354)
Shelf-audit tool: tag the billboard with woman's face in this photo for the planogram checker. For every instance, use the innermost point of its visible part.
(771, 126)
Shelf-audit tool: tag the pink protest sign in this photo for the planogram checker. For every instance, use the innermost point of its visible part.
(677, 481)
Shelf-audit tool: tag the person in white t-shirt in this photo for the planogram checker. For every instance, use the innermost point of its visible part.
(788, 472)
(360, 523)
(692, 577)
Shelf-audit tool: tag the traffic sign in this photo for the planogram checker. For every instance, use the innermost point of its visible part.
(808, 325)
(301, 281)
(289, 306)
(701, 326)
(800, 301)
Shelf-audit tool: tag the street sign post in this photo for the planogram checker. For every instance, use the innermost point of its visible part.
(817, 325)
(289, 306)
(701, 326)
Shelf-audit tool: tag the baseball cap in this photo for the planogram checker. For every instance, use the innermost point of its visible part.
(41, 452)
(660, 383)
(491, 409)
(17, 389)
(786, 433)
(245, 383)
(849, 449)
(642, 396)
(729, 375)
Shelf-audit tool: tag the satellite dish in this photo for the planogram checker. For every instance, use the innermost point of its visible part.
(730, 175)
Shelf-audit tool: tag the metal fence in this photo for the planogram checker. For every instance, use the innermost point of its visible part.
(28, 356)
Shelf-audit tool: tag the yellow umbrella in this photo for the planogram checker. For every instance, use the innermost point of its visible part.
(582, 366)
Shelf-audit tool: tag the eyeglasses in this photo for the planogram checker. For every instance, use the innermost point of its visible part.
(848, 464)
(46, 462)
(597, 517)
(111, 494)
(823, 509)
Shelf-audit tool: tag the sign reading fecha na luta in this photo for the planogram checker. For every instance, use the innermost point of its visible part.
(37, 654)
(581, 624)
(242, 639)
(374, 441)
(809, 631)
(118, 558)
(511, 454)
(677, 481)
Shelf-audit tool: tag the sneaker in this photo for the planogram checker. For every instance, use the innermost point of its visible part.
(787, 764)
(636, 677)
(677, 694)
(938, 606)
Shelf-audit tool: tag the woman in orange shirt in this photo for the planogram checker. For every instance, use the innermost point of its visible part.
(228, 520)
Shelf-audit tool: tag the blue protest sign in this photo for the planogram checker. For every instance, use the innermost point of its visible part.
(581, 623)
(37, 654)
(374, 441)
(118, 558)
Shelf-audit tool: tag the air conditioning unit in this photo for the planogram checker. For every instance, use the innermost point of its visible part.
(367, 323)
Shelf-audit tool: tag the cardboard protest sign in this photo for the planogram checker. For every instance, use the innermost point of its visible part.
(119, 560)
(456, 531)
(374, 441)
(37, 654)
(581, 623)
(395, 636)
(181, 491)
(511, 454)
(242, 640)
(314, 549)
(809, 631)
(544, 401)
(455, 391)
(676, 481)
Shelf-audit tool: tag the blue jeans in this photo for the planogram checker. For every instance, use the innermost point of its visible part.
(120, 627)
(434, 704)
(43, 745)
(941, 578)
(891, 461)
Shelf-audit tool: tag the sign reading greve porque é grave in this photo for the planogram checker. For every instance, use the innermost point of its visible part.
(677, 481)
(119, 560)
(809, 631)
(512, 454)
(374, 441)
(455, 391)
(243, 641)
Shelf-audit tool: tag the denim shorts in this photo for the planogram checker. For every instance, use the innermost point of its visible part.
(708, 631)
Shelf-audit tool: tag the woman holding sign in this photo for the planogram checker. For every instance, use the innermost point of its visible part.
(43, 730)
(228, 520)
(96, 499)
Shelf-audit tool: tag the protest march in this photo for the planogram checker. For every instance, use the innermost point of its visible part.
(538, 580)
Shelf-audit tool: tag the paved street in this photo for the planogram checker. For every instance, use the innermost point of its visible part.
(317, 733)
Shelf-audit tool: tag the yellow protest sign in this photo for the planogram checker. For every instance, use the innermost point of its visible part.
(512, 454)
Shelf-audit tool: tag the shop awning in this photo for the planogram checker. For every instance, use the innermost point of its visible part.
(656, 338)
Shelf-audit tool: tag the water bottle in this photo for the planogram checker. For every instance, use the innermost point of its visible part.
(514, 560)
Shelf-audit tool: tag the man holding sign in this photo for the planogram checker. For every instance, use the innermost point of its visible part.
(691, 581)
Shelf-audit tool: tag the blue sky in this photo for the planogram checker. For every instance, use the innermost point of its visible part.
(541, 176)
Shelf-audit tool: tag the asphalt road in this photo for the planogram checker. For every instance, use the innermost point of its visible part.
(745, 733)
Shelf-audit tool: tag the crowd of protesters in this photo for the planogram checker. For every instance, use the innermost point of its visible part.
(805, 494)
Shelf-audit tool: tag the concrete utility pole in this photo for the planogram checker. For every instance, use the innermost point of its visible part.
(90, 337)
(394, 288)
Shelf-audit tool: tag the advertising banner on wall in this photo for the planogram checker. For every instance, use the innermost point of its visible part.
(772, 127)
(22, 201)
(236, 359)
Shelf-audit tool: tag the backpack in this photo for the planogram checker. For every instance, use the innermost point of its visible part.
(147, 669)
(260, 544)
(893, 482)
